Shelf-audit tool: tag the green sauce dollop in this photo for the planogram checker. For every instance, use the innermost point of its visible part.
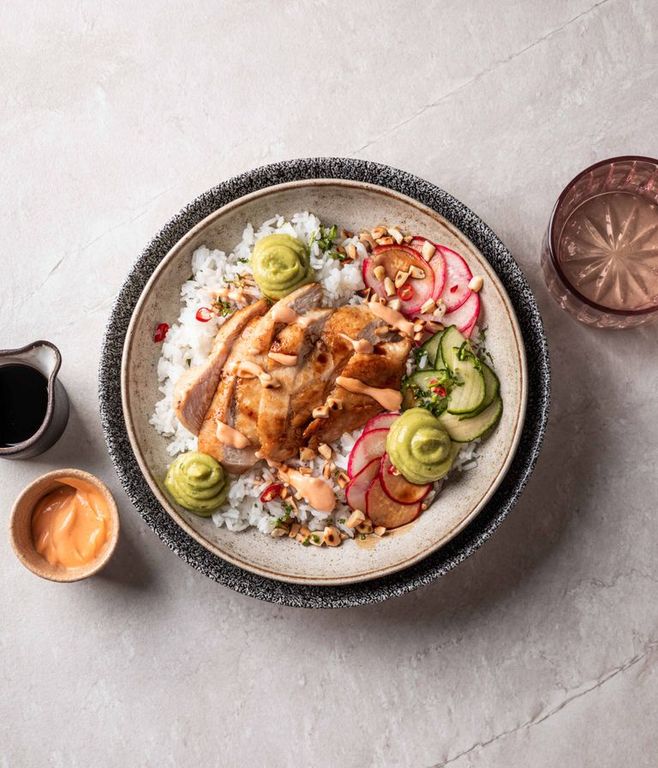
(281, 263)
(419, 447)
(197, 482)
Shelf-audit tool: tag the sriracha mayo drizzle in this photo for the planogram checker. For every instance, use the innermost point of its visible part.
(319, 494)
(70, 524)
(282, 358)
(390, 399)
(229, 436)
(316, 491)
(361, 346)
(392, 317)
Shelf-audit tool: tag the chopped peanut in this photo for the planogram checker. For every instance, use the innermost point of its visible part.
(428, 306)
(379, 272)
(356, 518)
(401, 278)
(379, 530)
(325, 451)
(333, 404)
(385, 241)
(394, 304)
(321, 412)
(476, 283)
(417, 273)
(306, 454)
(395, 234)
(351, 251)
(378, 232)
(331, 536)
(365, 526)
(389, 287)
(342, 479)
(279, 532)
(345, 233)
(428, 250)
(343, 536)
(305, 471)
(294, 530)
(366, 239)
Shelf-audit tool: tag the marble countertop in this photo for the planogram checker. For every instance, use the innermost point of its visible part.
(542, 649)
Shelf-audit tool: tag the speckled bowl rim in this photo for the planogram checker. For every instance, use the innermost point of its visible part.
(437, 563)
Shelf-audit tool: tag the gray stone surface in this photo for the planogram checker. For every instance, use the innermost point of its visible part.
(541, 649)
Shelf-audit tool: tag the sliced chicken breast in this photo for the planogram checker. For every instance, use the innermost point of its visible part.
(223, 409)
(282, 417)
(196, 388)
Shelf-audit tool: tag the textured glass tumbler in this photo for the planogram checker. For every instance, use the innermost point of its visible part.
(600, 251)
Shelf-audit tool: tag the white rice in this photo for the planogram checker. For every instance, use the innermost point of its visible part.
(189, 341)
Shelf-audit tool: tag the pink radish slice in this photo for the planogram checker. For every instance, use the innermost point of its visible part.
(400, 258)
(355, 491)
(397, 487)
(456, 290)
(370, 445)
(382, 510)
(380, 421)
(465, 316)
(437, 262)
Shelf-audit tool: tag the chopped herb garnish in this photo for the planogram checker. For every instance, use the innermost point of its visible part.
(342, 520)
(315, 538)
(222, 308)
(324, 237)
(306, 542)
(362, 537)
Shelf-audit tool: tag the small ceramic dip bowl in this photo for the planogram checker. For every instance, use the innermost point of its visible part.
(20, 527)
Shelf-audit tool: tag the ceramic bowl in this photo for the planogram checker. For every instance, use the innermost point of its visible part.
(352, 205)
(354, 194)
(20, 528)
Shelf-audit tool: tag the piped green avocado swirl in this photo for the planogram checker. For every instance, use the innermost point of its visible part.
(419, 447)
(280, 263)
(197, 482)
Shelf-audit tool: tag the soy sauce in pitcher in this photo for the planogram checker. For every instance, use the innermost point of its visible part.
(23, 402)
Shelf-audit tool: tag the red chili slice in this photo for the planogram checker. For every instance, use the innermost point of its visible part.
(405, 292)
(161, 332)
(203, 314)
(273, 491)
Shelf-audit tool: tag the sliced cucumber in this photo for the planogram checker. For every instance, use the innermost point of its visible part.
(451, 342)
(491, 387)
(464, 429)
(426, 379)
(467, 396)
(432, 348)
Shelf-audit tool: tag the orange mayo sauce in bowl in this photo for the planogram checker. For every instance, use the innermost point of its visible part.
(65, 525)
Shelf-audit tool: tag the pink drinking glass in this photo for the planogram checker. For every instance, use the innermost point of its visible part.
(600, 251)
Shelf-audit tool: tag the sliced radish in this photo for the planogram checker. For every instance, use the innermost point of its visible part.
(381, 421)
(355, 491)
(400, 258)
(437, 262)
(370, 445)
(458, 276)
(382, 510)
(465, 316)
(397, 487)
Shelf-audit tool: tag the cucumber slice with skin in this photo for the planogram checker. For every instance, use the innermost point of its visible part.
(426, 379)
(451, 342)
(432, 348)
(464, 429)
(491, 387)
(468, 396)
